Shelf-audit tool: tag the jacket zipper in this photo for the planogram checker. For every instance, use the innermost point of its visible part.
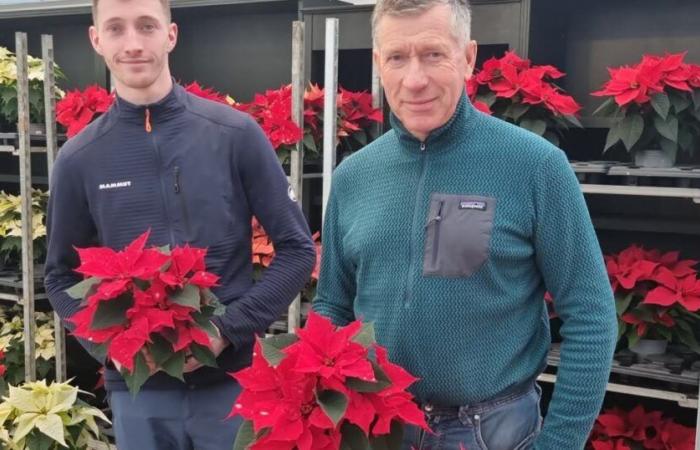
(183, 203)
(436, 242)
(410, 276)
(163, 194)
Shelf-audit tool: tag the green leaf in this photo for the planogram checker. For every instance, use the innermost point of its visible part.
(353, 438)
(360, 136)
(696, 99)
(667, 128)
(39, 441)
(535, 125)
(607, 108)
(189, 296)
(310, 143)
(272, 347)
(574, 121)
(205, 324)
(685, 140)
(203, 355)
(516, 110)
(245, 436)
(632, 337)
(679, 101)
(161, 350)
(687, 336)
(614, 136)
(135, 379)
(175, 365)
(111, 312)
(391, 441)
(669, 147)
(80, 290)
(333, 403)
(382, 382)
(165, 249)
(661, 104)
(552, 137)
(365, 337)
(621, 329)
(621, 304)
(631, 129)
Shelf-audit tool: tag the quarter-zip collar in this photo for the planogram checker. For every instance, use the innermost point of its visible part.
(441, 139)
(151, 115)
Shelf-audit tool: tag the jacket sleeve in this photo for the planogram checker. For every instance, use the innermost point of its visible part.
(69, 224)
(270, 199)
(336, 289)
(570, 260)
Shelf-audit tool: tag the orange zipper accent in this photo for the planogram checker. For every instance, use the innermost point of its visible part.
(149, 128)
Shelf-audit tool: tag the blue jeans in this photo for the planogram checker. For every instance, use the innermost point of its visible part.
(188, 418)
(511, 422)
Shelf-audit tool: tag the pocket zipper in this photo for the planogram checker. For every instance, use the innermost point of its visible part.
(183, 205)
(436, 242)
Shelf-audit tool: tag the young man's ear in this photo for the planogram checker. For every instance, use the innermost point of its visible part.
(172, 36)
(95, 39)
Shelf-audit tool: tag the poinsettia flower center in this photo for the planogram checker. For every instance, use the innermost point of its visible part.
(307, 409)
(330, 362)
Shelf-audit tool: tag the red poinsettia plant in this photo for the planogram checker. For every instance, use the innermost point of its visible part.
(324, 388)
(513, 89)
(654, 104)
(146, 306)
(657, 295)
(273, 111)
(616, 429)
(78, 108)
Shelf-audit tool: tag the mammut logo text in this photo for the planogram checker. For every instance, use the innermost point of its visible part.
(118, 184)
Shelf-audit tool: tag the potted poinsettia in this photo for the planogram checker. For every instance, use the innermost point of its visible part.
(11, 227)
(513, 89)
(324, 387)
(38, 415)
(140, 301)
(655, 107)
(617, 429)
(657, 297)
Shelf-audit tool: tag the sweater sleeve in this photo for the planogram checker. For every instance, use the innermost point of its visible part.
(570, 260)
(270, 199)
(69, 224)
(335, 293)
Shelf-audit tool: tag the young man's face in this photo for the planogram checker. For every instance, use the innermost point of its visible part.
(134, 37)
(423, 68)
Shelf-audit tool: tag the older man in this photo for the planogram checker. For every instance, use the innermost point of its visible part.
(446, 232)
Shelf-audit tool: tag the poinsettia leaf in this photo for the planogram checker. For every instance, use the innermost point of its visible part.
(80, 290)
(669, 147)
(614, 136)
(360, 136)
(39, 441)
(686, 335)
(134, 380)
(574, 120)
(310, 143)
(631, 129)
(661, 104)
(552, 137)
(535, 125)
(272, 347)
(622, 303)
(111, 312)
(175, 365)
(212, 301)
(188, 296)
(621, 329)
(391, 441)
(333, 403)
(205, 324)
(632, 337)
(203, 355)
(366, 336)
(99, 351)
(353, 438)
(245, 436)
(680, 102)
(141, 284)
(607, 108)
(161, 350)
(359, 385)
(165, 249)
(667, 128)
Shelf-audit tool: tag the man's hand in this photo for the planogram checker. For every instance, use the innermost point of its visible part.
(217, 345)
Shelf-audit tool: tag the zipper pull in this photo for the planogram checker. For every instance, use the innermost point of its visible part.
(177, 180)
(422, 146)
(148, 126)
(438, 216)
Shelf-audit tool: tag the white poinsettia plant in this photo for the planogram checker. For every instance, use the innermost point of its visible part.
(38, 415)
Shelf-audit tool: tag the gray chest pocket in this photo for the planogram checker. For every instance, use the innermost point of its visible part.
(457, 234)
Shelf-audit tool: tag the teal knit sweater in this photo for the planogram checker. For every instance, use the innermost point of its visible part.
(472, 336)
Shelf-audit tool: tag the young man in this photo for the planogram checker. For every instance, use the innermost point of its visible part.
(192, 171)
(446, 232)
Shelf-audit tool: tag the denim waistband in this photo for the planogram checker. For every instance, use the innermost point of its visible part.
(509, 395)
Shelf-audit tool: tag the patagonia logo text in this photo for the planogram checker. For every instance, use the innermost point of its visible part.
(116, 185)
(480, 206)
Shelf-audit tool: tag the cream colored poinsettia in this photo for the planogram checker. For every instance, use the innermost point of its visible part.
(11, 214)
(53, 410)
(12, 332)
(8, 67)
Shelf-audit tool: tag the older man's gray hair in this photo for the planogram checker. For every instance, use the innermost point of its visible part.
(461, 15)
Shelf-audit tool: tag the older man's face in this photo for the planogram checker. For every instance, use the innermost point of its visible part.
(423, 68)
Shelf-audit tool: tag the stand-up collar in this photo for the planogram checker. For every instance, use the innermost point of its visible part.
(155, 113)
(441, 138)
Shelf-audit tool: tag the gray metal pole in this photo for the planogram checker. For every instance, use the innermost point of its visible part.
(297, 156)
(330, 108)
(377, 97)
(47, 55)
(25, 181)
